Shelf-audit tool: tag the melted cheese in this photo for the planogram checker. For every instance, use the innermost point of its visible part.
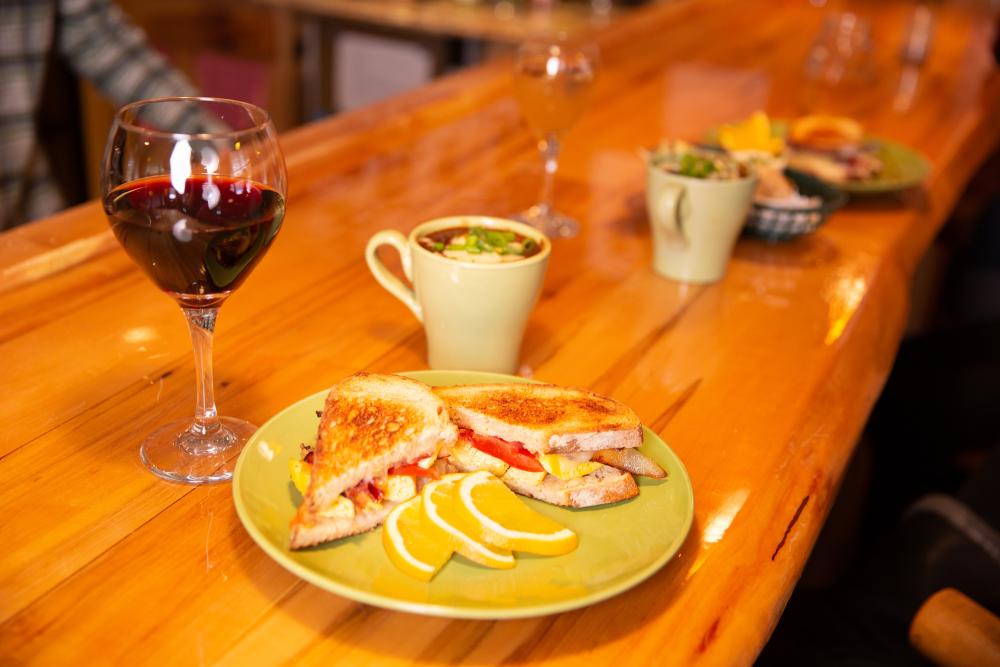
(400, 487)
(525, 477)
(342, 508)
(568, 466)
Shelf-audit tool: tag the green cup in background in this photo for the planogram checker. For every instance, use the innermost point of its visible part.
(695, 223)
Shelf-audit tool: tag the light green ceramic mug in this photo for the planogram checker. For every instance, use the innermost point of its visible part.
(474, 314)
(695, 223)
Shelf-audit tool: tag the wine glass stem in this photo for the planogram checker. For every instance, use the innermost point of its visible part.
(201, 322)
(549, 149)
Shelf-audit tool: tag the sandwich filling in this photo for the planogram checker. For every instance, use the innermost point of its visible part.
(399, 484)
(476, 451)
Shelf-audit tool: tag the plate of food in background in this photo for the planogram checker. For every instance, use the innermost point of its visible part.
(834, 149)
(786, 203)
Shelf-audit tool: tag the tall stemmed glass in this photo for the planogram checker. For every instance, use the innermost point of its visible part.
(194, 189)
(553, 83)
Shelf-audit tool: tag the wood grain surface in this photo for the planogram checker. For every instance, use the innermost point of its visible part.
(761, 383)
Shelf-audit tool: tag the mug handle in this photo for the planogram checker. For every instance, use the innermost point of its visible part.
(668, 203)
(385, 277)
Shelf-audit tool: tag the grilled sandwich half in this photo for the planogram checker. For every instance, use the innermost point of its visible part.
(562, 445)
(378, 439)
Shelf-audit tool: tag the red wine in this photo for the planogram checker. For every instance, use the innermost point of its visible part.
(200, 244)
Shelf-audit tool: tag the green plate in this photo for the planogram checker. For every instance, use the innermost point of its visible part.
(903, 167)
(620, 544)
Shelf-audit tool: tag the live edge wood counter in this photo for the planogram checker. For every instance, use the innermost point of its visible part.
(761, 383)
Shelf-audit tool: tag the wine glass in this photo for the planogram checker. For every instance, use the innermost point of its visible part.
(194, 189)
(552, 81)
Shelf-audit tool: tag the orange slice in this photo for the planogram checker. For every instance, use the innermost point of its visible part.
(498, 517)
(412, 548)
(441, 512)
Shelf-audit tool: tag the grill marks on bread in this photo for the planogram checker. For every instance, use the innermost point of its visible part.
(544, 417)
(353, 431)
(528, 410)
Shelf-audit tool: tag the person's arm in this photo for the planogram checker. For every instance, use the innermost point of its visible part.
(104, 47)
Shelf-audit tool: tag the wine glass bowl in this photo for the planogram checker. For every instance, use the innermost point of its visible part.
(194, 190)
(553, 83)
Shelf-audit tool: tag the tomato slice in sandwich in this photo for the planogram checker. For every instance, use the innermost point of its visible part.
(513, 454)
(413, 470)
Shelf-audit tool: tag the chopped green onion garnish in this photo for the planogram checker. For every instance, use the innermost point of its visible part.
(495, 238)
(695, 166)
(438, 246)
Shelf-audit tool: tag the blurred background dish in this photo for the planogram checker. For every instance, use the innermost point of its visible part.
(902, 168)
(782, 220)
(834, 149)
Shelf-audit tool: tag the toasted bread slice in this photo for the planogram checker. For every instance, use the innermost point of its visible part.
(310, 529)
(604, 485)
(370, 423)
(545, 418)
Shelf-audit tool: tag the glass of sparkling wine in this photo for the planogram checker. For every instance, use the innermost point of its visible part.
(194, 189)
(553, 82)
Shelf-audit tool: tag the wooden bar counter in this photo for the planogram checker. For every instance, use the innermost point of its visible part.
(760, 383)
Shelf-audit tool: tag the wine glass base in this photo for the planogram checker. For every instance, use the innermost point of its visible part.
(552, 224)
(179, 453)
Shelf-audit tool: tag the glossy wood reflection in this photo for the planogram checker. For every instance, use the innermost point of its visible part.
(761, 383)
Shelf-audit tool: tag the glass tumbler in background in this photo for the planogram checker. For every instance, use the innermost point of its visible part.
(840, 60)
(553, 83)
(842, 51)
(194, 189)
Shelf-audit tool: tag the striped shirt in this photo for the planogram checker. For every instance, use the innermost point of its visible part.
(99, 44)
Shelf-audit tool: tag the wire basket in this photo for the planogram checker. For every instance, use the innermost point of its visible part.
(775, 223)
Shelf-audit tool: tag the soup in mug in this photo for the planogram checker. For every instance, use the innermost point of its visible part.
(480, 244)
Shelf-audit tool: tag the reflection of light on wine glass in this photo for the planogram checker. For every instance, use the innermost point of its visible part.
(194, 189)
(553, 82)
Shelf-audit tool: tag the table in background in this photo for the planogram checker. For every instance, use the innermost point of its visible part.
(490, 21)
(484, 27)
(761, 383)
